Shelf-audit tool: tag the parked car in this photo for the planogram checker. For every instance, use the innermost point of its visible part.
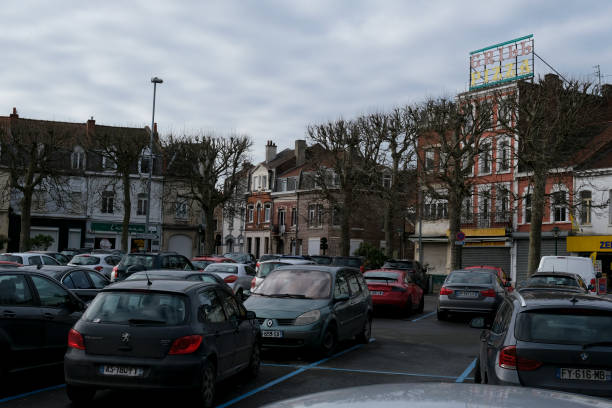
(322, 259)
(143, 261)
(83, 282)
(350, 261)
(312, 306)
(28, 258)
(470, 291)
(242, 258)
(176, 274)
(58, 256)
(36, 314)
(495, 269)
(10, 264)
(268, 266)
(564, 282)
(237, 276)
(201, 262)
(561, 341)
(394, 289)
(103, 263)
(70, 252)
(574, 264)
(419, 274)
(168, 334)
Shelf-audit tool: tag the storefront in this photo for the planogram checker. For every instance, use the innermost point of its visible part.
(598, 248)
(107, 235)
(486, 246)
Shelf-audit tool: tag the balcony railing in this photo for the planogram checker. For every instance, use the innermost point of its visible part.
(495, 219)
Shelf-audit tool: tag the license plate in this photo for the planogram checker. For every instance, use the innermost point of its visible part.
(584, 374)
(121, 370)
(272, 333)
(465, 294)
(377, 292)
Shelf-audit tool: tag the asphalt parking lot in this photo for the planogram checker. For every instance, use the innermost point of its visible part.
(407, 350)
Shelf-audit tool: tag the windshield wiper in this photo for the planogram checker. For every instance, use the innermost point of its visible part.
(146, 321)
(289, 295)
(597, 343)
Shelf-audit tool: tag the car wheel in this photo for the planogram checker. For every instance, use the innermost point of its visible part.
(366, 332)
(207, 385)
(329, 342)
(408, 308)
(80, 395)
(477, 375)
(442, 315)
(421, 304)
(255, 362)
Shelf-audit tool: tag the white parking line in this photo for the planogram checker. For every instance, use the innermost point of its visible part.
(423, 317)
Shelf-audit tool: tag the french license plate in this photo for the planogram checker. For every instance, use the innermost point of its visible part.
(121, 370)
(585, 374)
(377, 292)
(467, 294)
(272, 333)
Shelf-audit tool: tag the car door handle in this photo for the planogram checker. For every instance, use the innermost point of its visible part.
(48, 316)
(8, 313)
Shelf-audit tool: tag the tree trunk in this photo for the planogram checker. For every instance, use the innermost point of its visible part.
(26, 220)
(454, 226)
(345, 227)
(389, 229)
(209, 232)
(127, 210)
(538, 202)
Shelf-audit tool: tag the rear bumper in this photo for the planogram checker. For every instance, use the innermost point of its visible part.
(171, 372)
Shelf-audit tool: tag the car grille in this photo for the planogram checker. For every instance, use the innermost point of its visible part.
(280, 322)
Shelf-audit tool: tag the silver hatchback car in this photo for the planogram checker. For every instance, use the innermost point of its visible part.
(237, 276)
(471, 291)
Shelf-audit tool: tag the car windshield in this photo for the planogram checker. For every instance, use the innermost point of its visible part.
(351, 262)
(471, 277)
(552, 280)
(201, 264)
(399, 265)
(564, 326)
(266, 268)
(222, 268)
(241, 258)
(133, 259)
(137, 308)
(11, 258)
(381, 277)
(85, 260)
(296, 283)
(267, 257)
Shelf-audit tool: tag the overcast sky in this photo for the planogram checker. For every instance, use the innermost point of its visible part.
(269, 68)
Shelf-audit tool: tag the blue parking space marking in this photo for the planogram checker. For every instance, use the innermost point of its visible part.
(353, 370)
(286, 377)
(423, 317)
(466, 372)
(27, 394)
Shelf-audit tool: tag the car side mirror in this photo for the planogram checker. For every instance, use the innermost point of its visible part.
(341, 298)
(478, 323)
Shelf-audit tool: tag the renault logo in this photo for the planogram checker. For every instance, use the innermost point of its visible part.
(584, 356)
(269, 322)
(125, 337)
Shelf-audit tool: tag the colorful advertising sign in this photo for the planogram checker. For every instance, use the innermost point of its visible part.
(504, 62)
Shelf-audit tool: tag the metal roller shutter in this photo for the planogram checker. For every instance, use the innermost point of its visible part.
(499, 257)
(547, 248)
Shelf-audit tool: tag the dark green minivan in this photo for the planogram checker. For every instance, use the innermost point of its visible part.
(312, 306)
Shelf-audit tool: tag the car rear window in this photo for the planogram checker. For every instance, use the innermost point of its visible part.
(132, 259)
(564, 326)
(11, 258)
(399, 265)
(266, 268)
(351, 262)
(472, 277)
(222, 267)
(380, 277)
(552, 280)
(296, 284)
(143, 308)
(85, 260)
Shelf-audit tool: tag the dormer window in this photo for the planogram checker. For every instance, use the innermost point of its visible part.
(108, 163)
(145, 161)
(77, 158)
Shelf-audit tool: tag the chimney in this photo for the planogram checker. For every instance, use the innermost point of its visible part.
(300, 152)
(270, 151)
(14, 114)
(91, 124)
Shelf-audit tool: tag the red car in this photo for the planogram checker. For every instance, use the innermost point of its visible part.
(498, 271)
(394, 288)
(10, 264)
(201, 262)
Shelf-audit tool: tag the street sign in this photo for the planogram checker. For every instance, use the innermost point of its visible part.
(144, 236)
(459, 242)
(460, 236)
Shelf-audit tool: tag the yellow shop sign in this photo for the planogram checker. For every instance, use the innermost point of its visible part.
(589, 243)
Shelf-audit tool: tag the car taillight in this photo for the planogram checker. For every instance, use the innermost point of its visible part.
(115, 273)
(253, 281)
(98, 268)
(186, 344)
(230, 279)
(508, 360)
(445, 291)
(75, 340)
(488, 293)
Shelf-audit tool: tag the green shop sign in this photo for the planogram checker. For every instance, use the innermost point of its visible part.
(114, 227)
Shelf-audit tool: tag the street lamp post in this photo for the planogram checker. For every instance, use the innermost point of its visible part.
(155, 81)
(555, 231)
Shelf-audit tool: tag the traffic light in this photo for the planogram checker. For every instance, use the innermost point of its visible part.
(323, 244)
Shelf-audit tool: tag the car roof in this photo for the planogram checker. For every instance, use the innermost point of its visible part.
(551, 273)
(289, 261)
(175, 286)
(169, 272)
(316, 267)
(153, 253)
(554, 299)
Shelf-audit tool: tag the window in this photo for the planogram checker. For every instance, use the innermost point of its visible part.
(39, 200)
(484, 208)
(281, 217)
(467, 210)
(14, 291)
(145, 161)
(442, 212)
(264, 182)
(49, 293)
(386, 182)
(559, 207)
(259, 213)
(484, 158)
(211, 308)
(232, 310)
(443, 161)
(77, 158)
(467, 162)
(142, 204)
(527, 209)
(585, 207)
(294, 216)
(311, 215)
(502, 204)
(108, 198)
(336, 216)
(354, 285)
(342, 287)
(429, 159)
(251, 211)
(319, 215)
(267, 211)
(610, 207)
(97, 280)
(503, 155)
(77, 280)
(76, 202)
(180, 210)
(108, 163)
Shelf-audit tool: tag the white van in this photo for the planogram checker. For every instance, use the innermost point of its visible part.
(572, 264)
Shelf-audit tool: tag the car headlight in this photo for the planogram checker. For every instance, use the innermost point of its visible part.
(307, 318)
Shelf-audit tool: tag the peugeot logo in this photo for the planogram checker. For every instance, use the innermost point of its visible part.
(584, 356)
(269, 322)
(125, 337)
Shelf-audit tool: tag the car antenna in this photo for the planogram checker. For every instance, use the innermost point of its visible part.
(149, 283)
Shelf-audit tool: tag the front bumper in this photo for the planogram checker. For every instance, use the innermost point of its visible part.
(307, 336)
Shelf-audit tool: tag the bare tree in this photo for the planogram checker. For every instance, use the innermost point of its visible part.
(35, 154)
(555, 121)
(207, 170)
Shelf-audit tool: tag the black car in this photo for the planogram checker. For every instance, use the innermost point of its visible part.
(549, 339)
(36, 314)
(415, 269)
(144, 261)
(168, 334)
(85, 283)
(199, 276)
(551, 281)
